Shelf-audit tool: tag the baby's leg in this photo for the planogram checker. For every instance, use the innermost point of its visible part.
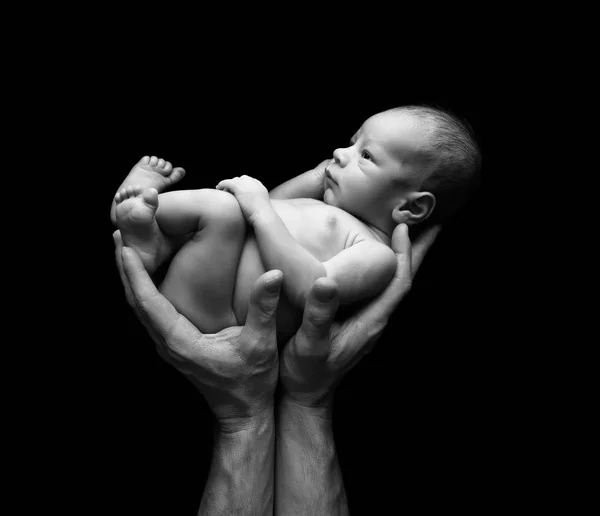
(150, 172)
(201, 277)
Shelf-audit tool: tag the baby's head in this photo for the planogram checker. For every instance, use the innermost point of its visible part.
(409, 164)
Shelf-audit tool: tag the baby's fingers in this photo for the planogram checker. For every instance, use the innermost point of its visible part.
(227, 184)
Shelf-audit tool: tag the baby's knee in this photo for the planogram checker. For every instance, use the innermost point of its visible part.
(225, 212)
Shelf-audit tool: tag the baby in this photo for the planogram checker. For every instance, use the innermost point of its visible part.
(406, 165)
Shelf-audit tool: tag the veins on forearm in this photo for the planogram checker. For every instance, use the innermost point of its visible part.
(308, 475)
(241, 475)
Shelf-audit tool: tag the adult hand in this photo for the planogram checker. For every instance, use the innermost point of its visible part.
(322, 351)
(236, 369)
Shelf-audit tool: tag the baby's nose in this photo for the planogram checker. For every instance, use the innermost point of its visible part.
(340, 156)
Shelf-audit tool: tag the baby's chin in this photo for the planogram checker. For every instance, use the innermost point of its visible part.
(329, 197)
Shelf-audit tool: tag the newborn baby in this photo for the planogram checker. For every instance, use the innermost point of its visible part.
(402, 165)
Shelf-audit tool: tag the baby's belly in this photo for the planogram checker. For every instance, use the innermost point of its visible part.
(250, 268)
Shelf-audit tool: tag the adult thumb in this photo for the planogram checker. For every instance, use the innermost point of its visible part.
(321, 306)
(264, 299)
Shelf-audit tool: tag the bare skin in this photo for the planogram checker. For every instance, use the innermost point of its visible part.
(150, 172)
(236, 371)
(136, 214)
(311, 233)
(238, 231)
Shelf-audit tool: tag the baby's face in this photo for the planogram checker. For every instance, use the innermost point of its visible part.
(380, 165)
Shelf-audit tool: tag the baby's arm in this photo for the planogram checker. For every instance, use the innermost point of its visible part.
(361, 270)
(308, 185)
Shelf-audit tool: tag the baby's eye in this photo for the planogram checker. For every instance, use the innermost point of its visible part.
(366, 155)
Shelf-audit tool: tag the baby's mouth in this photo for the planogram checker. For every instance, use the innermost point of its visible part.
(328, 176)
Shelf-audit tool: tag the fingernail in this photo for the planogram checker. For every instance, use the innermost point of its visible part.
(324, 293)
(273, 284)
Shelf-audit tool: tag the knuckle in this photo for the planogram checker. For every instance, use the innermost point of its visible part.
(178, 350)
(318, 317)
(267, 309)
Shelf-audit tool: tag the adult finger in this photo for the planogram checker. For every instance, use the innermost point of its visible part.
(119, 259)
(127, 287)
(322, 302)
(378, 311)
(365, 327)
(262, 308)
(151, 304)
(421, 246)
(171, 331)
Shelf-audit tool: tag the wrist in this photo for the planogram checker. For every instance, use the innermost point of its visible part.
(312, 407)
(262, 216)
(247, 425)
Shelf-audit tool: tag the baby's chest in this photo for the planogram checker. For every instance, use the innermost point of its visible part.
(322, 230)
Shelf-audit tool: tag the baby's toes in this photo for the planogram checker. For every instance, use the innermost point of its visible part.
(150, 196)
(176, 174)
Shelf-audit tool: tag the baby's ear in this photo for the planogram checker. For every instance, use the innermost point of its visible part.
(414, 208)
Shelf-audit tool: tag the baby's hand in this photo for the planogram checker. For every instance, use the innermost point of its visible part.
(250, 193)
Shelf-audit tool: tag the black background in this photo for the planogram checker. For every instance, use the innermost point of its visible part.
(407, 420)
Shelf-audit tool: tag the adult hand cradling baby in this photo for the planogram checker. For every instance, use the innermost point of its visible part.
(236, 370)
(241, 258)
(322, 350)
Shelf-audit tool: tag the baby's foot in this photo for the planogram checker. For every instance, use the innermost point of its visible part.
(136, 218)
(151, 172)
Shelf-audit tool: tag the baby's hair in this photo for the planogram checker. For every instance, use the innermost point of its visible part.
(455, 160)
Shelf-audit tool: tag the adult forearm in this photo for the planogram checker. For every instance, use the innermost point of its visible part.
(241, 479)
(280, 250)
(308, 479)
